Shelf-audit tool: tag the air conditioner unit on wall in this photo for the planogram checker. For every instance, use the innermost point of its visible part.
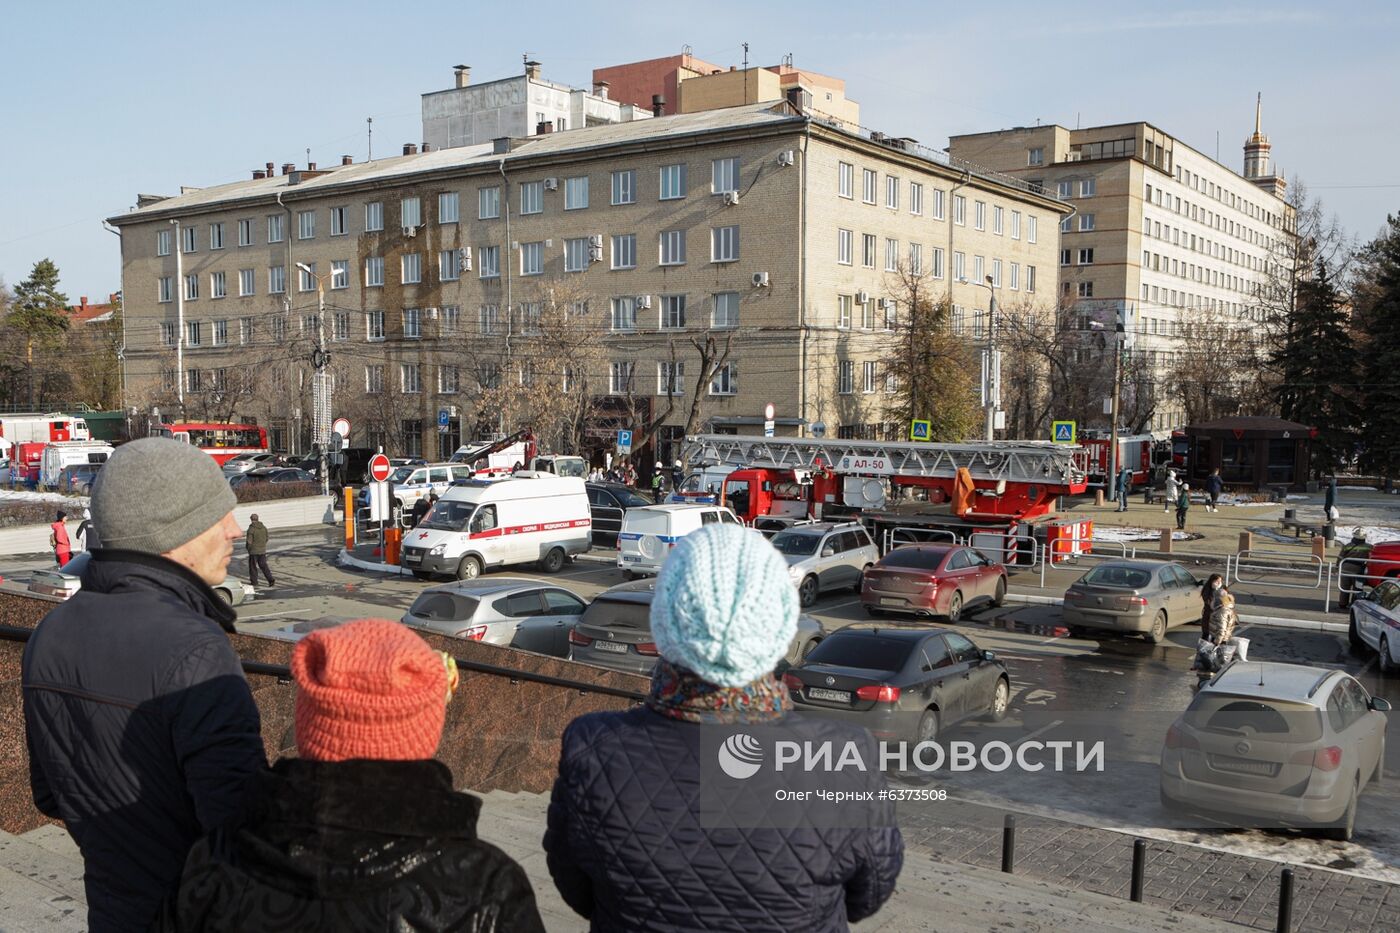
(410, 230)
(731, 197)
(464, 259)
(644, 301)
(862, 297)
(760, 280)
(785, 157)
(551, 184)
(432, 313)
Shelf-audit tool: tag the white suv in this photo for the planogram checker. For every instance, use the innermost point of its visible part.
(826, 556)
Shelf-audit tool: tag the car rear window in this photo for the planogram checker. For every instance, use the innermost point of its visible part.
(916, 557)
(444, 607)
(796, 542)
(866, 650)
(1276, 720)
(607, 613)
(1125, 577)
(648, 521)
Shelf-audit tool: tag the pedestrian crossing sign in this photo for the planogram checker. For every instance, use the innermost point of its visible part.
(920, 430)
(1063, 432)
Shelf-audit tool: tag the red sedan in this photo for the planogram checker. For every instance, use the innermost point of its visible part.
(931, 580)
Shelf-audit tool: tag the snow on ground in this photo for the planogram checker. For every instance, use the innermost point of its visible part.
(1297, 497)
(1373, 533)
(19, 495)
(1115, 534)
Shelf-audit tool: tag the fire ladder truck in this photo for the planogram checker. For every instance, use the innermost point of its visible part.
(997, 495)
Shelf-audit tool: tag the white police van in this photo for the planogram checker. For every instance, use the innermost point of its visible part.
(480, 523)
(649, 532)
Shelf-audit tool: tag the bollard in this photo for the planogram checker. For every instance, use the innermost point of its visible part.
(1098, 497)
(1285, 902)
(1008, 845)
(1166, 545)
(1246, 541)
(1139, 862)
(1319, 547)
(349, 519)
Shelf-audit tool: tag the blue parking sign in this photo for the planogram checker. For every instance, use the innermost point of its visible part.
(442, 417)
(624, 441)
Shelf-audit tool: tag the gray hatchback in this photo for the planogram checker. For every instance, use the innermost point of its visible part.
(512, 611)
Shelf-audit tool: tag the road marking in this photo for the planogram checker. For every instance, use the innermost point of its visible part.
(849, 602)
(276, 615)
(1043, 729)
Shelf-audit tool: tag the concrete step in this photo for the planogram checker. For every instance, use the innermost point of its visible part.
(40, 889)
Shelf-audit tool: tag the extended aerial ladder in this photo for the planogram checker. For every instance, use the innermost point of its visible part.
(1010, 479)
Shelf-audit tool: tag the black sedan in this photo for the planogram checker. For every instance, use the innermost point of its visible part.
(607, 502)
(900, 681)
(278, 475)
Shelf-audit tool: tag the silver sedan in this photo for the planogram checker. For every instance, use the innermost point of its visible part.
(510, 611)
(1142, 596)
(66, 581)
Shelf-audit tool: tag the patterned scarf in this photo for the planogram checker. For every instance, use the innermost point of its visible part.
(679, 694)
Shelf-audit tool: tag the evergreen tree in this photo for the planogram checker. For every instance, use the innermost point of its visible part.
(38, 315)
(1317, 364)
(1378, 307)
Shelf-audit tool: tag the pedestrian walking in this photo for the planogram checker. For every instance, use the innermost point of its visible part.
(142, 732)
(58, 539)
(677, 476)
(1214, 486)
(1183, 505)
(1215, 650)
(86, 536)
(658, 484)
(1329, 502)
(1173, 487)
(362, 831)
(256, 544)
(687, 846)
(629, 474)
(1125, 486)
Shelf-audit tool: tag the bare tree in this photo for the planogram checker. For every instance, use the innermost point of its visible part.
(929, 367)
(713, 358)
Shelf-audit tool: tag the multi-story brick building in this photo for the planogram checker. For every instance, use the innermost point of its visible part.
(756, 224)
(1163, 235)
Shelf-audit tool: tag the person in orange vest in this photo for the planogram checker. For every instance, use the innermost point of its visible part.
(58, 540)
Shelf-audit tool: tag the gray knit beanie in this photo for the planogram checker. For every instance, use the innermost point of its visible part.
(156, 493)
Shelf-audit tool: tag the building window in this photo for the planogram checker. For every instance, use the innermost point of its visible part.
(1035, 156)
(374, 380)
(374, 216)
(532, 258)
(891, 313)
(340, 273)
(1086, 289)
(620, 378)
(340, 326)
(245, 330)
(1030, 278)
(672, 247)
(959, 266)
(216, 236)
(489, 316)
(217, 288)
(306, 225)
(1030, 228)
(576, 193)
(411, 268)
(916, 198)
(844, 304)
(726, 310)
(1086, 222)
(1015, 276)
(448, 207)
(1086, 256)
(449, 380)
(670, 378)
(374, 271)
(488, 203)
(412, 323)
(624, 187)
(672, 312)
(306, 278)
(410, 212)
(960, 210)
(191, 237)
(1015, 225)
(867, 188)
(867, 251)
(998, 215)
(624, 251)
(576, 254)
(1065, 256)
(724, 175)
(624, 314)
(167, 335)
(673, 182)
(489, 262)
(338, 224)
(978, 267)
(996, 273)
(845, 377)
(279, 329)
(867, 374)
(275, 230)
(191, 287)
(245, 283)
(374, 325)
(1065, 189)
(937, 270)
(276, 280)
(220, 333)
(891, 383)
(916, 259)
(1088, 187)
(867, 314)
(532, 197)
(193, 330)
(193, 382)
(845, 179)
(726, 380)
(937, 203)
(892, 192)
(979, 215)
(163, 242)
(451, 315)
(724, 244)
(891, 255)
(844, 240)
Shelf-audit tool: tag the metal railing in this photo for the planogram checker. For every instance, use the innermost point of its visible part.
(894, 537)
(1050, 552)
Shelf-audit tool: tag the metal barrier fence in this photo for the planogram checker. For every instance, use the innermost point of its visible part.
(1053, 552)
(894, 537)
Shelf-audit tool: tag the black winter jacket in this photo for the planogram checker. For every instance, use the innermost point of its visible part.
(141, 730)
(629, 849)
(346, 846)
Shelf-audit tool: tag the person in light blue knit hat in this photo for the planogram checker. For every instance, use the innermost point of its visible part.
(628, 844)
(725, 607)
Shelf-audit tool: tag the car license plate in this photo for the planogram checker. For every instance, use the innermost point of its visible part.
(886, 601)
(835, 696)
(631, 558)
(1243, 765)
(613, 646)
(412, 558)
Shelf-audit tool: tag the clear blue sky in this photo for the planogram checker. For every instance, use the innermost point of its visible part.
(104, 100)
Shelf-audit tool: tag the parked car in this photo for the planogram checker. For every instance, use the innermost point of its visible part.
(1383, 563)
(77, 479)
(1144, 596)
(615, 631)
(649, 533)
(1273, 743)
(1375, 624)
(277, 475)
(411, 483)
(900, 681)
(824, 556)
(65, 581)
(932, 580)
(511, 611)
(242, 463)
(606, 504)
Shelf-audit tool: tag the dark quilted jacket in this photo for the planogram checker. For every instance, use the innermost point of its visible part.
(627, 848)
(339, 847)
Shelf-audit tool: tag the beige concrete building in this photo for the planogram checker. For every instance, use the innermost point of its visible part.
(821, 95)
(755, 222)
(1162, 234)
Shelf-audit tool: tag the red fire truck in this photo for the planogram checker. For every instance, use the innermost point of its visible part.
(56, 426)
(1135, 450)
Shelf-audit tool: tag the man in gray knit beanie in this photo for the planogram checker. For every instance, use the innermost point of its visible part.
(142, 732)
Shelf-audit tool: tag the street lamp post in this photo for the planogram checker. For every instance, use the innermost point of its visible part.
(991, 363)
(320, 388)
